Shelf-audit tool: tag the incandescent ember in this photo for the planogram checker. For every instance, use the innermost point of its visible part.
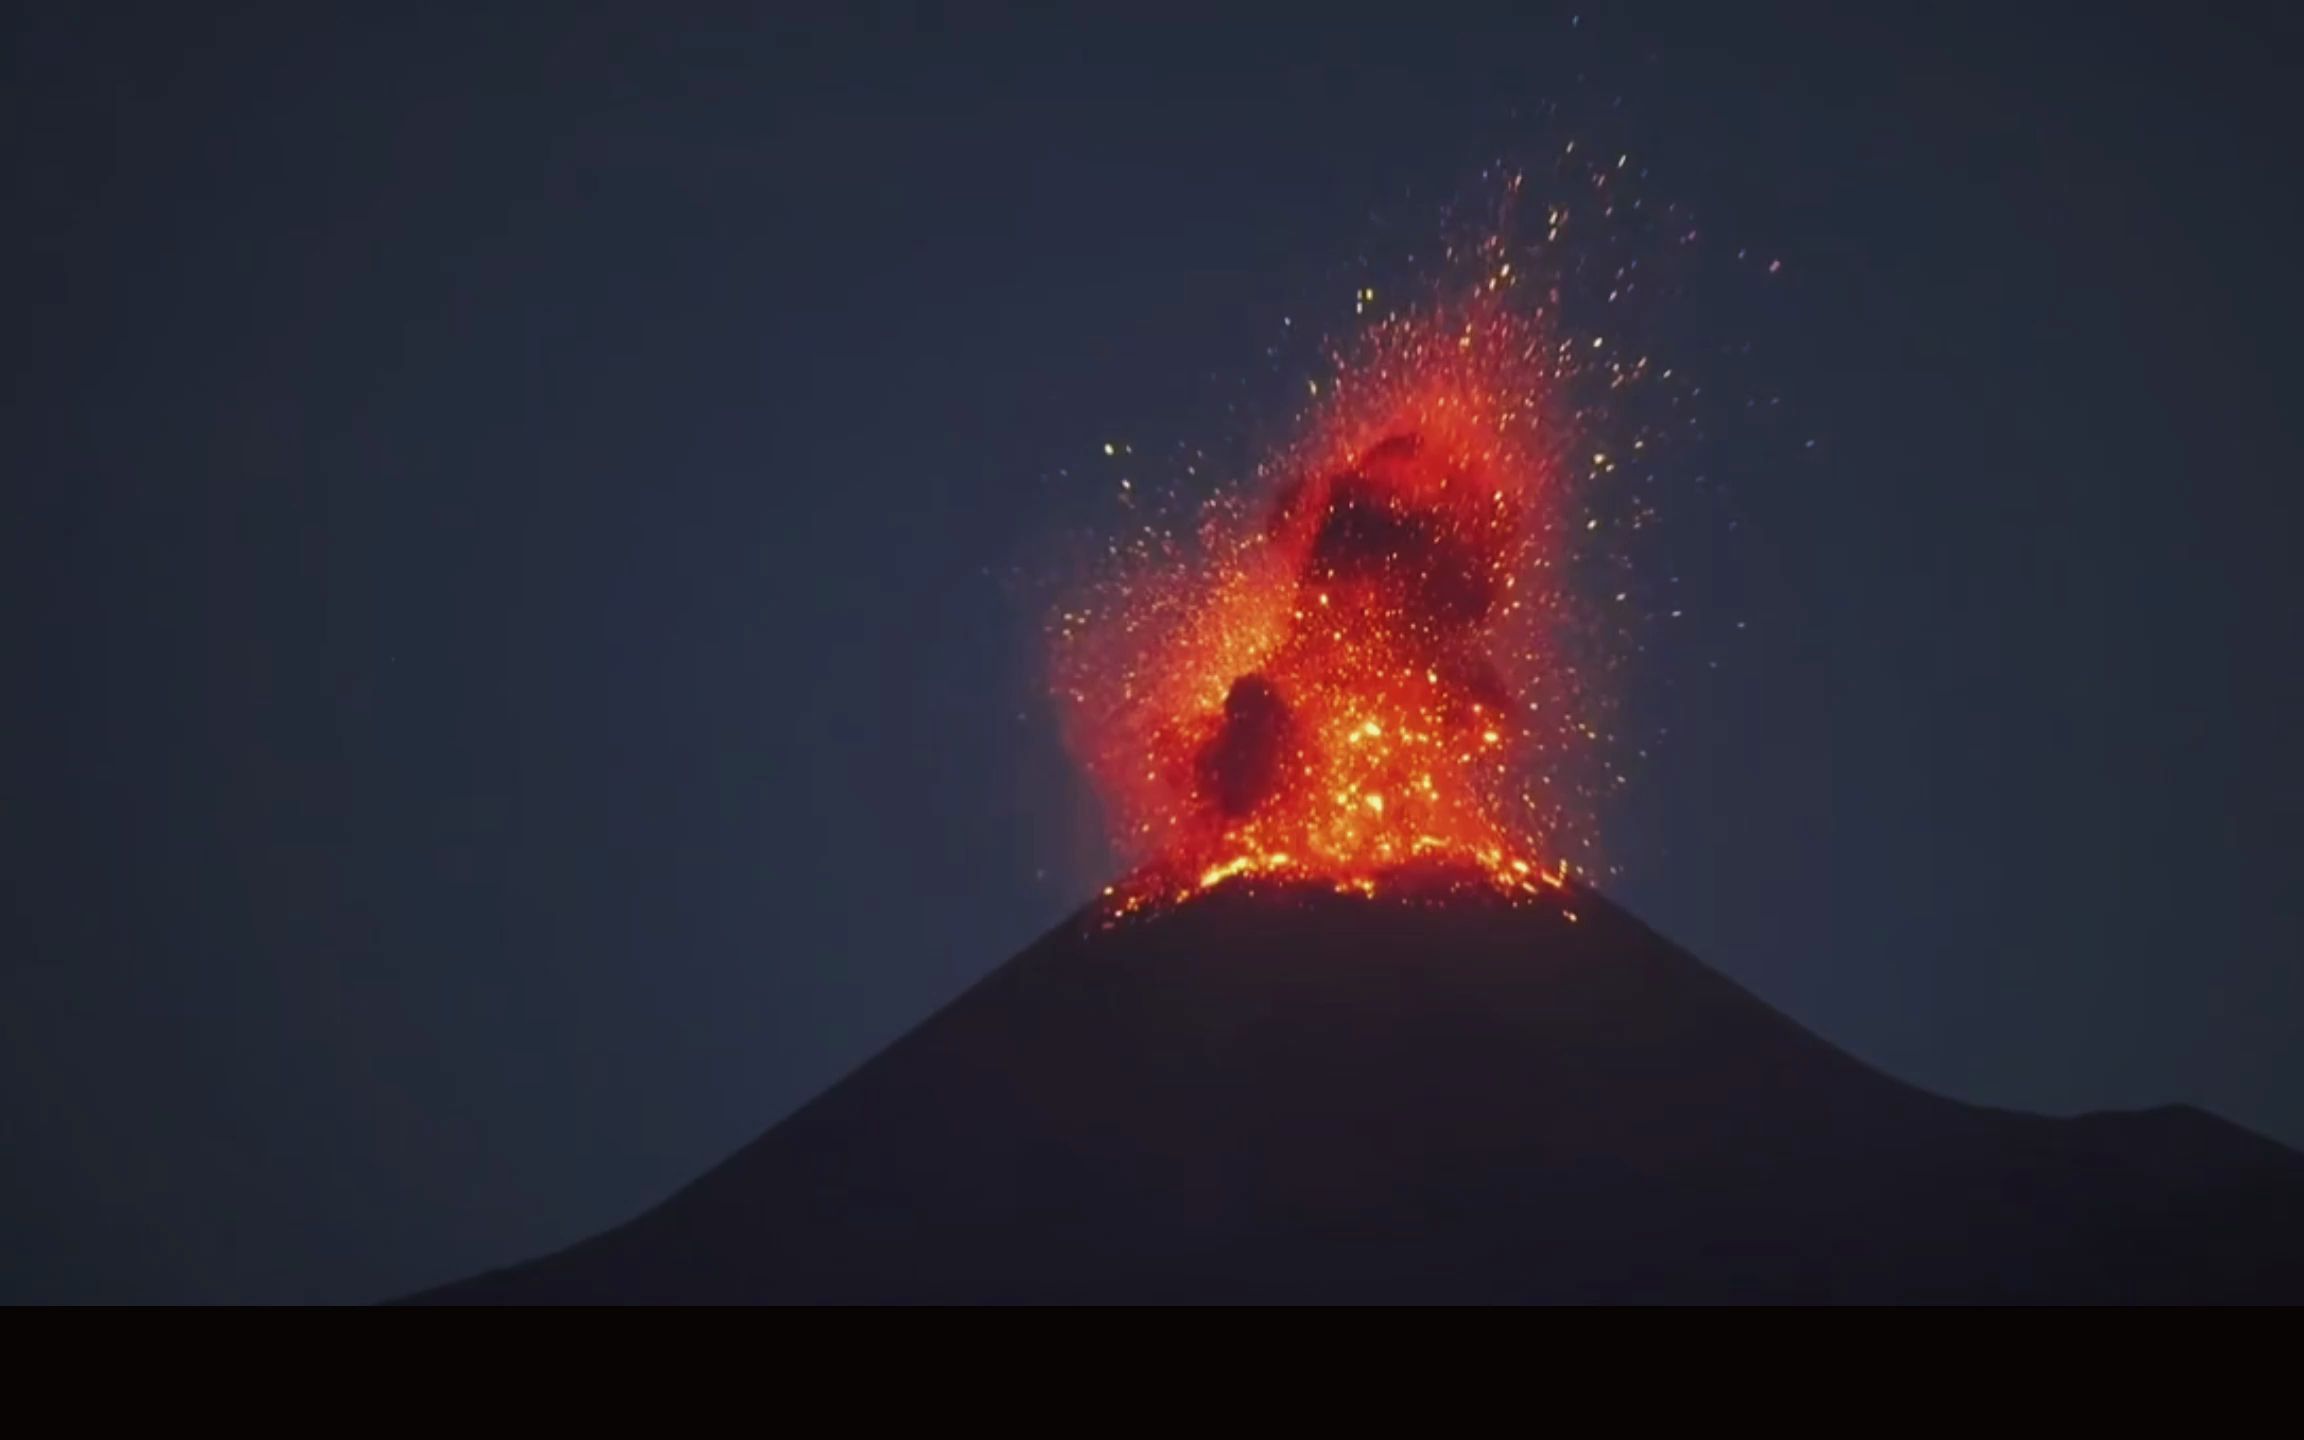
(1354, 669)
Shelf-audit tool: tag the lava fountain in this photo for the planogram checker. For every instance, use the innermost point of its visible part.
(1359, 665)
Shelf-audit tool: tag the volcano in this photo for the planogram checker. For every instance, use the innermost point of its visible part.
(1285, 1094)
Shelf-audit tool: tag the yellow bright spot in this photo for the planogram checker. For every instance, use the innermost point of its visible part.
(1108, 448)
(1490, 736)
(1217, 873)
(1376, 803)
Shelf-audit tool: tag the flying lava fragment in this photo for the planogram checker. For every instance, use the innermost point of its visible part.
(1359, 665)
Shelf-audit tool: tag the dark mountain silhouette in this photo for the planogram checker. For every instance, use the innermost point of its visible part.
(1303, 1096)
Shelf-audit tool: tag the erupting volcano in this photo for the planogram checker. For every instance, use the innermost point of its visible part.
(1365, 1034)
(1361, 665)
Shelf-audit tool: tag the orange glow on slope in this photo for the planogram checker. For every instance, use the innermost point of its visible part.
(1356, 667)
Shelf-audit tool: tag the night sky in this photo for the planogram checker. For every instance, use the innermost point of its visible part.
(522, 534)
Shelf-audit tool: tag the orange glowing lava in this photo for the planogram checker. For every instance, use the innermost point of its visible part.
(1356, 667)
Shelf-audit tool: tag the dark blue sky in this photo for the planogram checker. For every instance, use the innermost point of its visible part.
(513, 684)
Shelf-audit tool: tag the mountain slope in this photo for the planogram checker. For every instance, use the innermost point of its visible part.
(1303, 1096)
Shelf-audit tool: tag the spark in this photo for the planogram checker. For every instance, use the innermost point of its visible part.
(1355, 658)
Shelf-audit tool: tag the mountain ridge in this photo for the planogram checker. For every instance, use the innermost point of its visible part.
(1278, 1093)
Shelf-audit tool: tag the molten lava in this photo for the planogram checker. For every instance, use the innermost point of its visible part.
(1357, 669)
